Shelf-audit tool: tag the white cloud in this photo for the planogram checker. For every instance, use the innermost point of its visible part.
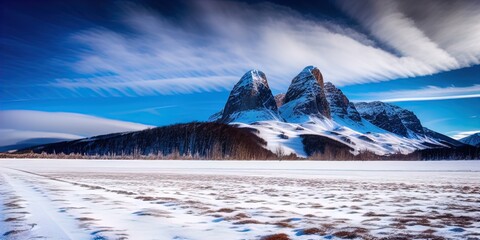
(19, 125)
(460, 135)
(128, 86)
(452, 25)
(390, 25)
(424, 94)
(13, 136)
(210, 49)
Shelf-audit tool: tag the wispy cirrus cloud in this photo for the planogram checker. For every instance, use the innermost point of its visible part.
(428, 93)
(210, 48)
(462, 134)
(128, 85)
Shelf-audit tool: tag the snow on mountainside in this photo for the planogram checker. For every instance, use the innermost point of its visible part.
(391, 118)
(345, 113)
(305, 97)
(287, 137)
(339, 104)
(250, 100)
(314, 120)
(312, 108)
(473, 140)
(442, 138)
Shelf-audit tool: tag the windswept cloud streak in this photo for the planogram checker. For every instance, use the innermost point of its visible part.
(19, 125)
(129, 86)
(460, 135)
(210, 49)
(425, 94)
(390, 25)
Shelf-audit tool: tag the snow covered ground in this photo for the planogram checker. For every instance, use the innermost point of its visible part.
(106, 199)
(287, 136)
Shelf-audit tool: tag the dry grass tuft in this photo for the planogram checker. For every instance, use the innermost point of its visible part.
(278, 236)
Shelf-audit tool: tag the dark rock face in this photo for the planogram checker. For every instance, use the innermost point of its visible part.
(472, 140)
(251, 98)
(442, 138)
(391, 118)
(339, 104)
(409, 120)
(280, 99)
(305, 96)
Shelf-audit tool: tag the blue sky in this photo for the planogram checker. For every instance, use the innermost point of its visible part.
(164, 62)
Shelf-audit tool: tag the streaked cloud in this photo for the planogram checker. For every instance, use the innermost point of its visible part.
(424, 94)
(210, 49)
(130, 86)
(460, 135)
(151, 110)
(19, 125)
(14, 136)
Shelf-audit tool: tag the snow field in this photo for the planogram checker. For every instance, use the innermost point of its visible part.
(92, 199)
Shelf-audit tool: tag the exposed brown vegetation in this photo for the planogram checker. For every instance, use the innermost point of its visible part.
(226, 210)
(248, 221)
(278, 236)
(311, 231)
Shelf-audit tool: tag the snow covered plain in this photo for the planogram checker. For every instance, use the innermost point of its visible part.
(106, 199)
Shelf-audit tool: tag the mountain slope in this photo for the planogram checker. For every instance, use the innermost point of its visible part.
(442, 138)
(339, 104)
(391, 118)
(250, 100)
(313, 119)
(473, 140)
(322, 112)
(344, 112)
(305, 97)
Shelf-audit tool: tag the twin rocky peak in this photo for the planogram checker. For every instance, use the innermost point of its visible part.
(308, 97)
(252, 100)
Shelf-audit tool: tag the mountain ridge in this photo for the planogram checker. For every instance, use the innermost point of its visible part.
(473, 140)
(323, 110)
(312, 120)
(305, 97)
(250, 100)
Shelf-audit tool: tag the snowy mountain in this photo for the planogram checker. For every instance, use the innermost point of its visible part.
(473, 140)
(305, 98)
(313, 112)
(391, 118)
(250, 100)
(340, 106)
(313, 119)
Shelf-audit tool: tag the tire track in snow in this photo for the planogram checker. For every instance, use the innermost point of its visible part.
(46, 221)
(57, 208)
(98, 212)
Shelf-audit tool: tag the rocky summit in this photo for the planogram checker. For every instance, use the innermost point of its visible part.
(340, 106)
(250, 100)
(313, 113)
(305, 97)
